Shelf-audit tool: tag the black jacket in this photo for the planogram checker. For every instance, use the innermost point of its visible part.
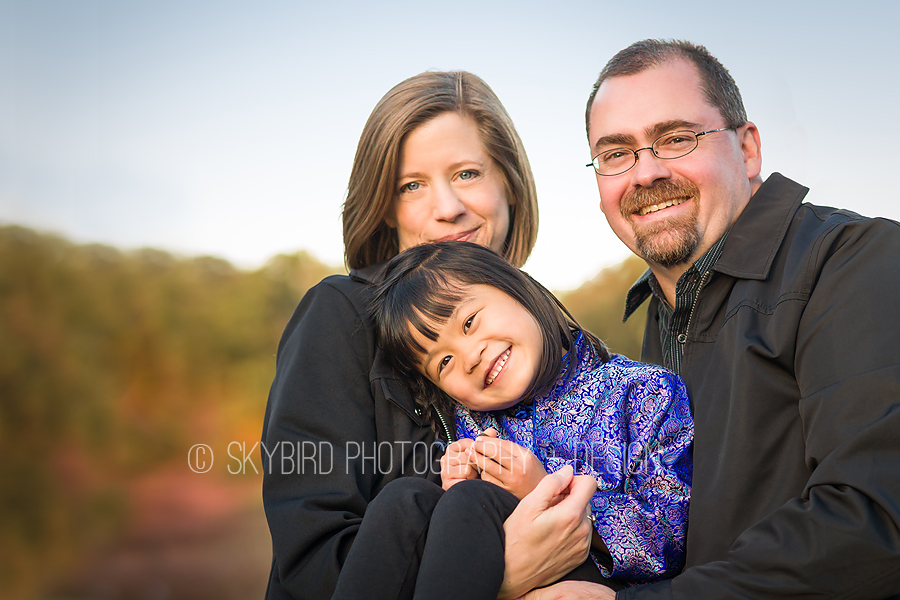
(339, 426)
(792, 362)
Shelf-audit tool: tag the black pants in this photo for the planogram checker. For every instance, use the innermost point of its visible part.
(417, 541)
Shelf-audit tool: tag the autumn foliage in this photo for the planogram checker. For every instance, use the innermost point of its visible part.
(113, 364)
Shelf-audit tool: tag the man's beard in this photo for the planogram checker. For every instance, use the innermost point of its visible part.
(674, 240)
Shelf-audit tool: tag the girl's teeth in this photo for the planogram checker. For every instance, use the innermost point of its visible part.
(498, 367)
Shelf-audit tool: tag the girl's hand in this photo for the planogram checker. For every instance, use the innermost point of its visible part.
(456, 465)
(507, 464)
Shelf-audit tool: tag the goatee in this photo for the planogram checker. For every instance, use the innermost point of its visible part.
(672, 241)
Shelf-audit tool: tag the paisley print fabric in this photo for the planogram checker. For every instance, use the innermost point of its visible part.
(628, 425)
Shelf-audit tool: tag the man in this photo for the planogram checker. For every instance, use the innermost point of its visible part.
(779, 317)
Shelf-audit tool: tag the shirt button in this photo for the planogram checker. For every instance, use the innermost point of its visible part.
(682, 338)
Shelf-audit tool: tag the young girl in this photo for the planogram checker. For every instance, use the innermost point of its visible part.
(533, 393)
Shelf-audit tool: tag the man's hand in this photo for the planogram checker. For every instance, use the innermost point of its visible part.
(507, 464)
(456, 464)
(548, 534)
(572, 590)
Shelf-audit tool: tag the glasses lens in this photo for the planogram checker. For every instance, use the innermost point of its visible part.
(614, 161)
(675, 144)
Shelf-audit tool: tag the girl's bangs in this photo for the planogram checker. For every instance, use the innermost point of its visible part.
(422, 305)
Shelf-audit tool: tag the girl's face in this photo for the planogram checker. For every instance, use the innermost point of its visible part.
(487, 354)
(449, 188)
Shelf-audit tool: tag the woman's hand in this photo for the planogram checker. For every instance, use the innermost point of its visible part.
(507, 464)
(548, 534)
(456, 464)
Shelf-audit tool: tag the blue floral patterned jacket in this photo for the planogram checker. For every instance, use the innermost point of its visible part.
(628, 425)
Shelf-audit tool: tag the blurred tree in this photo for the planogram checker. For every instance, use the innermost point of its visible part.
(599, 304)
(112, 364)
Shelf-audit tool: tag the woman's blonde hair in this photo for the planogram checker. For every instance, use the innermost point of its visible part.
(373, 180)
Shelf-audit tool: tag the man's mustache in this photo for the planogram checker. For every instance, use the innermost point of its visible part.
(662, 191)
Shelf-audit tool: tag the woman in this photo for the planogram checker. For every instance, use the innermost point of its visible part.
(438, 159)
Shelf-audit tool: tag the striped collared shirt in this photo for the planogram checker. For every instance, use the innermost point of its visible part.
(673, 322)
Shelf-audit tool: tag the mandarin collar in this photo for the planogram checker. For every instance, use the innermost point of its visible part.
(585, 357)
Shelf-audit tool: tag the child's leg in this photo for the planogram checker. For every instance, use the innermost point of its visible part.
(384, 559)
(464, 550)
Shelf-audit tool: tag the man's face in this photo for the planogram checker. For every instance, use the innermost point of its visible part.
(670, 212)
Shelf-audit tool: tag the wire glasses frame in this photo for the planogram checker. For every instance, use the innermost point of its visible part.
(668, 146)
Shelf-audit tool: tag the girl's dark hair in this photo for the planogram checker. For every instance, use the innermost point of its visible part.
(423, 285)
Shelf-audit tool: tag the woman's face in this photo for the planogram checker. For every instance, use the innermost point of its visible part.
(449, 188)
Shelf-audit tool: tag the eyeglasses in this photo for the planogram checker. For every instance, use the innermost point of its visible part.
(668, 146)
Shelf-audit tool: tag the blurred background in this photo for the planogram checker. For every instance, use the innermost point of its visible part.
(171, 177)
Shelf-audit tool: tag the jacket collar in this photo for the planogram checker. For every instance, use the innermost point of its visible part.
(750, 248)
(370, 275)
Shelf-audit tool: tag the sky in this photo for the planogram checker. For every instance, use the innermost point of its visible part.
(229, 128)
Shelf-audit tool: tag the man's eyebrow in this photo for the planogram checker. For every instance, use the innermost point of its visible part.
(615, 140)
(652, 132)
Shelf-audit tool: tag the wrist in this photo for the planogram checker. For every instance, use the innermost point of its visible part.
(510, 591)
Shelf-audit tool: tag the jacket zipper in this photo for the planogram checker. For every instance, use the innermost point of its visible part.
(444, 424)
(687, 327)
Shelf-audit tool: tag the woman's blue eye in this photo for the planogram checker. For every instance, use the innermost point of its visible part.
(466, 175)
(410, 187)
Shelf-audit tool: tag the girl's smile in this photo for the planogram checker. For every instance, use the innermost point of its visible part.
(494, 373)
